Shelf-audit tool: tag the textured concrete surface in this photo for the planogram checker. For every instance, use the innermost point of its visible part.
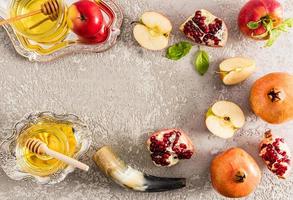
(127, 92)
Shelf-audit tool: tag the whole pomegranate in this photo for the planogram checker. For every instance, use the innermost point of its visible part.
(234, 173)
(206, 29)
(271, 97)
(169, 146)
(276, 154)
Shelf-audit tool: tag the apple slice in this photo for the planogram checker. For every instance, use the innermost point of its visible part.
(235, 70)
(153, 30)
(224, 118)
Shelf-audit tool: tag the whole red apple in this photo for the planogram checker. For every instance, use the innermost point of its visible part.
(85, 18)
(256, 15)
(263, 20)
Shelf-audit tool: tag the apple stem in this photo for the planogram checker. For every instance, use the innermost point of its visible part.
(275, 95)
(82, 17)
(240, 176)
(135, 22)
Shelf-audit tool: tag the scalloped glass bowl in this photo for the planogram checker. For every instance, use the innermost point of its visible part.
(41, 52)
(9, 157)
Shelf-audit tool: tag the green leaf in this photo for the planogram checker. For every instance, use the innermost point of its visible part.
(179, 50)
(202, 62)
(288, 23)
(268, 24)
(253, 25)
(273, 37)
(276, 32)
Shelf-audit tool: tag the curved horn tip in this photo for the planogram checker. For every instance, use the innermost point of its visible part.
(161, 184)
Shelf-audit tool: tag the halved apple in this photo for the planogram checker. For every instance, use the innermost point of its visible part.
(237, 69)
(224, 118)
(153, 30)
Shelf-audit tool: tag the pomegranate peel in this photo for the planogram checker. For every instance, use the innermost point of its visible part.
(109, 163)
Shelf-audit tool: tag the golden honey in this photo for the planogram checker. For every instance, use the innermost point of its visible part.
(39, 27)
(58, 136)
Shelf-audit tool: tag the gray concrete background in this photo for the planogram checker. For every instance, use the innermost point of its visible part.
(127, 92)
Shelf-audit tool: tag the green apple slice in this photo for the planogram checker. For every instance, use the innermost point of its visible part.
(224, 118)
(237, 69)
(153, 31)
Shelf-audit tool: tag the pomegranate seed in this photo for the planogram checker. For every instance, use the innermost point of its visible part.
(277, 165)
(153, 139)
(183, 146)
(166, 155)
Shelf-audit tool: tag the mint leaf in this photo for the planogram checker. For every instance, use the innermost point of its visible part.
(273, 37)
(288, 23)
(202, 62)
(253, 25)
(270, 26)
(276, 32)
(179, 50)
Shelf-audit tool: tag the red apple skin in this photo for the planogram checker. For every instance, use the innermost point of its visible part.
(254, 10)
(85, 18)
(100, 37)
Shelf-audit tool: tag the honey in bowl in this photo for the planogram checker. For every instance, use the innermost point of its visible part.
(39, 28)
(58, 136)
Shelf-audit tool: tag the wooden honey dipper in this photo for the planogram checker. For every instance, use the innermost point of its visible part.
(49, 8)
(38, 147)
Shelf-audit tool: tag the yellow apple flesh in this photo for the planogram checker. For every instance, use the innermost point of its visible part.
(224, 118)
(237, 69)
(153, 31)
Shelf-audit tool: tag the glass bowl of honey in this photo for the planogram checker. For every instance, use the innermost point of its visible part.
(41, 39)
(39, 27)
(66, 134)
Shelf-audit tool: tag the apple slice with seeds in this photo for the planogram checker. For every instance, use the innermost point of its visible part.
(237, 69)
(224, 118)
(153, 30)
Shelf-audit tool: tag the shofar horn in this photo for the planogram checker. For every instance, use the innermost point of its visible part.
(130, 178)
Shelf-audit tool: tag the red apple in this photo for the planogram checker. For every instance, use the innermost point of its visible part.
(101, 36)
(257, 15)
(85, 18)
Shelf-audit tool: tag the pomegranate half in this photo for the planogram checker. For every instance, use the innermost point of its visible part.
(169, 146)
(206, 29)
(276, 154)
(234, 173)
